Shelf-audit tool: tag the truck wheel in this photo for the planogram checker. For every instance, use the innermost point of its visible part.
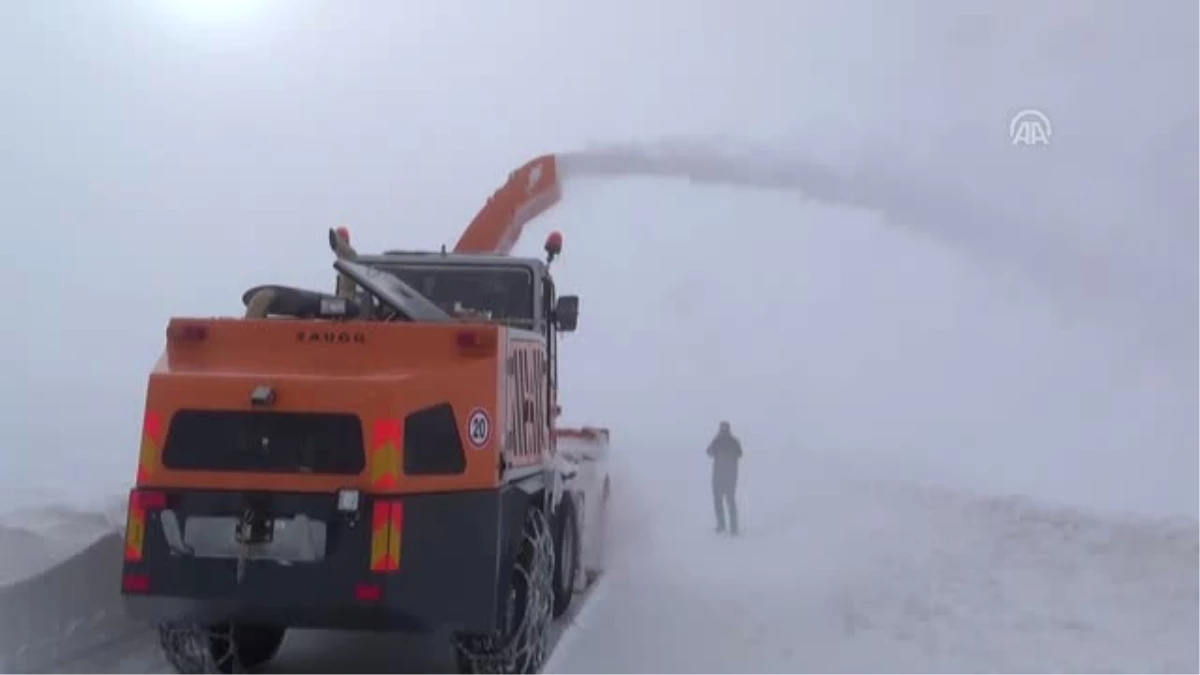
(223, 648)
(566, 559)
(520, 646)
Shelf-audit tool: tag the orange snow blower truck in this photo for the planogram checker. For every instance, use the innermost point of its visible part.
(380, 457)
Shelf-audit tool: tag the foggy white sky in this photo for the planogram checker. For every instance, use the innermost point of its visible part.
(167, 160)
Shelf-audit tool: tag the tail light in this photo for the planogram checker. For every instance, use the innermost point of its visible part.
(187, 332)
(141, 502)
(475, 342)
(135, 583)
(368, 592)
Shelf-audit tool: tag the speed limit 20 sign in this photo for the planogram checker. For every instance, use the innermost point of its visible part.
(479, 428)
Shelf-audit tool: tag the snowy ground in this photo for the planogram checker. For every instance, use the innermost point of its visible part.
(845, 574)
(836, 572)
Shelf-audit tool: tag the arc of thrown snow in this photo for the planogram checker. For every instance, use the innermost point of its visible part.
(1036, 250)
(538, 185)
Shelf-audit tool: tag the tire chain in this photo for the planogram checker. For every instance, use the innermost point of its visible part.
(524, 649)
(192, 649)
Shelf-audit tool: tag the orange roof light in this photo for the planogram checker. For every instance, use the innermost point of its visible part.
(553, 245)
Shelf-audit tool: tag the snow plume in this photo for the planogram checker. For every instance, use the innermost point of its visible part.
(1149, 301)
(893, 318)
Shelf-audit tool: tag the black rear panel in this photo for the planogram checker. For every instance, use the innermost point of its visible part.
(453, 569)
(271, 442)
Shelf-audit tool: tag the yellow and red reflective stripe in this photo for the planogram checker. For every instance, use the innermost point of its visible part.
(140, 502)
(152, 436)
(384, 454)
(387, 521)
(394, 537)
(135, 528)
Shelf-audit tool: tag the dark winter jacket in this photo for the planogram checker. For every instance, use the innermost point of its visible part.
(726, 451)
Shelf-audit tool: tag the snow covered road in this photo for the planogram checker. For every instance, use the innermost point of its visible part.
(836, 572)
(840, 574)
(75, 625)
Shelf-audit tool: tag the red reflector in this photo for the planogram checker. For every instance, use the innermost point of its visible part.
(368, 592)
(188, 332)
(135, 583)
(150, 499)
(467, 339)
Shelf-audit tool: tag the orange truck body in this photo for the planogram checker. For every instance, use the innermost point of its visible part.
(378, 372)
(267, 439)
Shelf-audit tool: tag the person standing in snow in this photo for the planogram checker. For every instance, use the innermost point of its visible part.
(726, 453)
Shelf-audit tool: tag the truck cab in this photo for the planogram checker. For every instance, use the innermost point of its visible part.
(515, 292)
(518, 293)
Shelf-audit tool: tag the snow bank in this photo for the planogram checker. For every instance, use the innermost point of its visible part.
(35, 539)
(59, 576)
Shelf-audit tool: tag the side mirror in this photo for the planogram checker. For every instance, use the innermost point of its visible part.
(566, 312)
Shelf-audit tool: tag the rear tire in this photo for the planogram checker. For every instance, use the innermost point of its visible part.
(521, 645)
(223, 648)
(566, 558)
